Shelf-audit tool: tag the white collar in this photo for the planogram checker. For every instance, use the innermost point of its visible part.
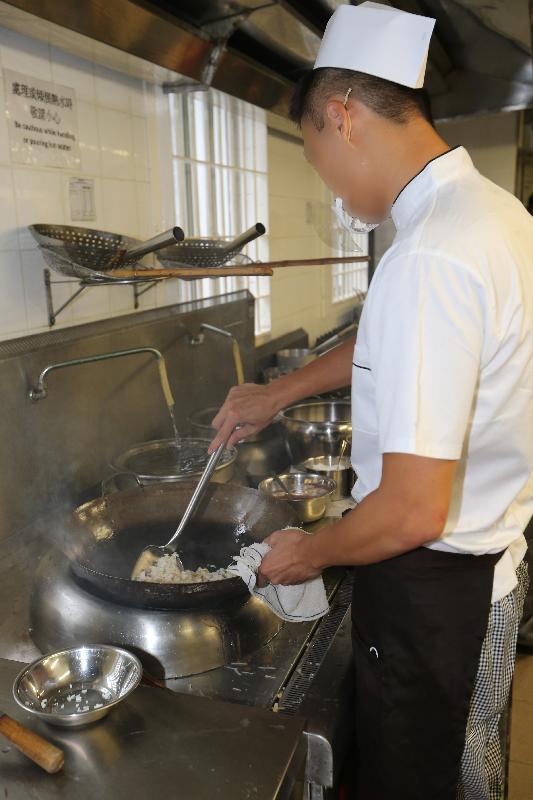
(441, 169)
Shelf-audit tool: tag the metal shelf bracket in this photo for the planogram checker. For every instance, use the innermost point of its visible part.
(139, 292)
(53, 313)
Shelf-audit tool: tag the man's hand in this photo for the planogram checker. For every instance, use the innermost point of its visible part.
(288, 561)
(252, 406)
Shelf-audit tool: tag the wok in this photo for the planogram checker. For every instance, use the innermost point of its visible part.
(108, 534)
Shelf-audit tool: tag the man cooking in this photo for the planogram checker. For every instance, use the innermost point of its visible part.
(442, 418)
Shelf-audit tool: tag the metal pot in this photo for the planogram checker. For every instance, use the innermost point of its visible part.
(259, 455)
(317, 428)
(163, 461)
(339, 469)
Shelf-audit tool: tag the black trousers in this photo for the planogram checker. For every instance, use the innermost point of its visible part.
(418, 623)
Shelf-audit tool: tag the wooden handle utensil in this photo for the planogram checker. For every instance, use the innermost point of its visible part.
(312, 262)
(261, 268)
(44, 753)
(191, 272)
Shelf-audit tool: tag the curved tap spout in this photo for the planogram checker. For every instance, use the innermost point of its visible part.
(40, 391)
(237, 360)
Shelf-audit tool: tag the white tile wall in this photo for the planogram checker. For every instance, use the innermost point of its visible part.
(13, 306)
(114, 126)
(116, 143)
(8, 217)
(119, 204)
(4, 142)
(146, 224)
(68, 70)
(25, 55)
(38, 198)
(112, 89)
(140, 149)
(89, 139)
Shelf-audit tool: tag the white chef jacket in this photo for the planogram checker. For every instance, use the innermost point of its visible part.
(443, 364)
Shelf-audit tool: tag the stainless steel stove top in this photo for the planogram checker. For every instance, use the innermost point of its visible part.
(299, 668)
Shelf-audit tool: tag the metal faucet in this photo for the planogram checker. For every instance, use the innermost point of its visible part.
(237, 360)
(40, 391)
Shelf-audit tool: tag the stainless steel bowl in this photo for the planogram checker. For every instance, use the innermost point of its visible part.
(309, 494)
(339, 469)
(316, 428)
(78, 686)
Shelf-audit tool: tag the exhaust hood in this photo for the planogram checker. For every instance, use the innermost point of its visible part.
(479, 59)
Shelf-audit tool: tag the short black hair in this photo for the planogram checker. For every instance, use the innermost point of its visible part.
(390, 100)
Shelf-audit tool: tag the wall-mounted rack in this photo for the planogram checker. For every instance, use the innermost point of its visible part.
(53, 313)
(137, 278)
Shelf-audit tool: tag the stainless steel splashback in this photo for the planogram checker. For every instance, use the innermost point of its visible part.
(56, 451)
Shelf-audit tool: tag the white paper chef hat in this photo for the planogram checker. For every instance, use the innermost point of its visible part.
(378, 40)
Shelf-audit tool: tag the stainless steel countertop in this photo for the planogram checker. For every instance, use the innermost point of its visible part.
(19, 557)
(160, 744)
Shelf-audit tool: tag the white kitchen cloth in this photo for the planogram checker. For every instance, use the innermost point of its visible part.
(299, 603)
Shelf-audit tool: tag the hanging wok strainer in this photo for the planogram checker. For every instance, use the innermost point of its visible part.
(90, 254)
(207, 252)
(169, 459)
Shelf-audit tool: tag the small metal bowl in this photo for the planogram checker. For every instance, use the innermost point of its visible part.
(309, 493)
(78, 686)
(339, 469)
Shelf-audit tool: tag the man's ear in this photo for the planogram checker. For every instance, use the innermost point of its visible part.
(338, 116)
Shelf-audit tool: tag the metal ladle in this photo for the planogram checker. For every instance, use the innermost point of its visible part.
(282, 485)
(153, 553)
(342, 450)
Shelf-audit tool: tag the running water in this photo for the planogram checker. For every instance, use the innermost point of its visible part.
(169, 398)
(237, 361)
(172, 415)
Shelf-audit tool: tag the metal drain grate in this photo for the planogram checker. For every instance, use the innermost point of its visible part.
(304, 674)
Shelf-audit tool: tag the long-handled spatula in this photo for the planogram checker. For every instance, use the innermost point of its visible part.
(151, 554)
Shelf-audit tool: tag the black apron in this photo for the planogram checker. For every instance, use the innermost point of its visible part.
(418, 623)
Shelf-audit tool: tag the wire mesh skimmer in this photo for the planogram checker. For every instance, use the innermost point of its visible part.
(90, 254)
(207, 252)
(169, 459)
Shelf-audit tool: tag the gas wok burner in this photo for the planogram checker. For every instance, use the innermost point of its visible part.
(85, 594)
(170, 644)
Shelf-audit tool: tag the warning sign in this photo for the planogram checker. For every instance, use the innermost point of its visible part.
(43, 122)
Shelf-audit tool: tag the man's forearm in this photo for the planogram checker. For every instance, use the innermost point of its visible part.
(368, 534)
(407, 510)
(330, 371)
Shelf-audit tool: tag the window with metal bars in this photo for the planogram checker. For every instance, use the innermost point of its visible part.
(219, 148)
(348, 280)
